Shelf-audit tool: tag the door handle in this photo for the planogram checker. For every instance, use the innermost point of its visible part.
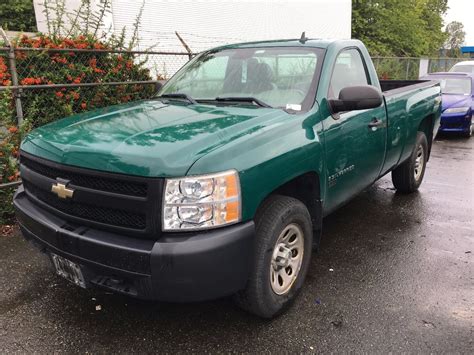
(375, 123)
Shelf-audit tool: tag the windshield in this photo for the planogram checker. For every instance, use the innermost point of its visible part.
(463, 69)
(283, 77)
(456, 86)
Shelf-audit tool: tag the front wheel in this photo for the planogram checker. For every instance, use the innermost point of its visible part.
(282, 253)
(468, 134)
(408, 176)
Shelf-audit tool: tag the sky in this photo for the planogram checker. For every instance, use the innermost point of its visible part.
(462, 11)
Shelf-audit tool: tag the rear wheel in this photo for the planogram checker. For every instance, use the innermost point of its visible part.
(281, 257)
(408, 176)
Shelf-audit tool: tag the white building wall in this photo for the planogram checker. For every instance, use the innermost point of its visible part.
(205, 24)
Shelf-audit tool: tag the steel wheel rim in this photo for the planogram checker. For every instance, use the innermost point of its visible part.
(419, 162)
(287, 258)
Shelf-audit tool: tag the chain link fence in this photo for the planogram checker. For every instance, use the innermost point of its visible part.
(442, 64)
(73, 80)
(407, 68)
(39, 85)
(76, 80)
(393, 68)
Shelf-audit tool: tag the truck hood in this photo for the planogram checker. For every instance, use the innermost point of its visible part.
(452, 101)
(147, 138)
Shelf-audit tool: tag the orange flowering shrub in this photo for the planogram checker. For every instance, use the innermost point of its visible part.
(4, 74)
(41, 106)
(9, 142)
(73, 67)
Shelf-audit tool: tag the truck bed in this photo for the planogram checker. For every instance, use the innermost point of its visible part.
(402, 99)
(389, 85)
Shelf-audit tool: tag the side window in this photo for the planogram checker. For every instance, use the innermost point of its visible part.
(349, 70)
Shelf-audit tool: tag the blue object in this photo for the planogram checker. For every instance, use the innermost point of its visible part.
(467, 49)
(457, 101)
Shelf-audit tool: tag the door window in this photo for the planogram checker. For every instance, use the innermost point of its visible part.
(349, 70)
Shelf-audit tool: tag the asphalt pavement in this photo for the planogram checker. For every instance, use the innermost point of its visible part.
(395, 273)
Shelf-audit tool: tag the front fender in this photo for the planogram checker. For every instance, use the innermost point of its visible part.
(266, 160)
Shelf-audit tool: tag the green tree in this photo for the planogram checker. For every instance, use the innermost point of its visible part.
(455, 36)
(432, 16)
(399, 27)
(17, 15)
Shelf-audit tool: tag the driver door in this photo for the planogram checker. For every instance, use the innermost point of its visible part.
(355, 147)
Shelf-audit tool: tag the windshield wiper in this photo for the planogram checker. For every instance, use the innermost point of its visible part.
(178, 95)
(250, 99)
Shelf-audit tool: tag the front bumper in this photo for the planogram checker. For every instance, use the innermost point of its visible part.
(177, 268)
(455, 123)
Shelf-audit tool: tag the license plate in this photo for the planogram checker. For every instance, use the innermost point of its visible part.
(69, 270)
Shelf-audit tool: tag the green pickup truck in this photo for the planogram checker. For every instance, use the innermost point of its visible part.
(218, 185)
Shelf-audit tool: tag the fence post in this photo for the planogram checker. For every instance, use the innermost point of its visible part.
(423, 67)
(14, 75)
(185, 45)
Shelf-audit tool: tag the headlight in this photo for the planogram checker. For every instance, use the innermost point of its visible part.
(200, 202)
(457, 109)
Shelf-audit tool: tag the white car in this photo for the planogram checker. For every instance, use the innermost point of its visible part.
(463, 67)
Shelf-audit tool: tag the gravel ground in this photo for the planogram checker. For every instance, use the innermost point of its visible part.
(395, 273)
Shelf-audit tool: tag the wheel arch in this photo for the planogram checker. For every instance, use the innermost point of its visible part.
(307, 189)
(427, 126)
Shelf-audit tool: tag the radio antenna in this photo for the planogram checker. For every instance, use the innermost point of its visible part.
(303, 38)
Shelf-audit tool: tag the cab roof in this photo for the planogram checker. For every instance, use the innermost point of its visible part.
(308, 43)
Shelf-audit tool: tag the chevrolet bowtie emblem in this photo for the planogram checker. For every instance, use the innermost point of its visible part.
(61, 190)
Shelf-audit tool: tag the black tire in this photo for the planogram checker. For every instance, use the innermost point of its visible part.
(408, 176)
(468, 134)
(277, 214)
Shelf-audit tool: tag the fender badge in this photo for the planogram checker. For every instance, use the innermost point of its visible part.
(61, 190)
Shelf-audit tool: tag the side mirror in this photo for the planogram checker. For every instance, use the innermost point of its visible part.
(357, 98)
